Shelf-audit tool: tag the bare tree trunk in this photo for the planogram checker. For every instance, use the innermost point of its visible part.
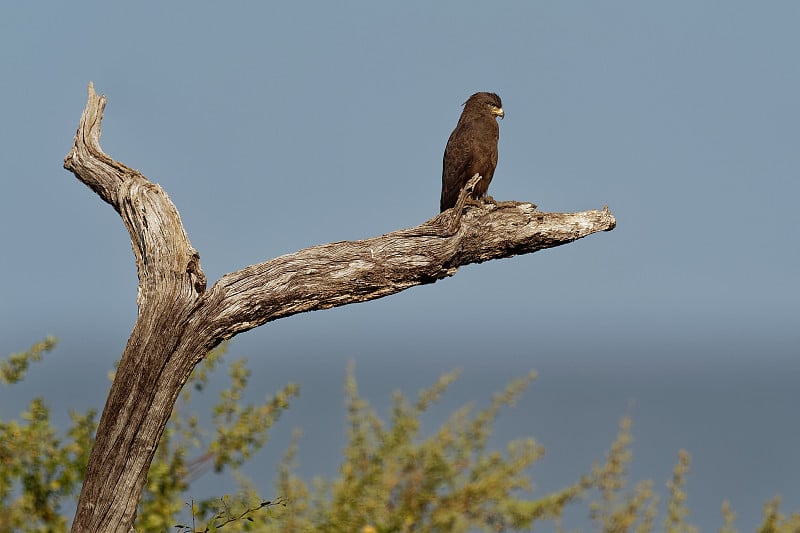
(180, 321)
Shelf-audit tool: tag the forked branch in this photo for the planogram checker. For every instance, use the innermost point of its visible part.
(180, 321)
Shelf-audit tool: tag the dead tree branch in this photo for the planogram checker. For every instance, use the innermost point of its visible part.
(180, 321)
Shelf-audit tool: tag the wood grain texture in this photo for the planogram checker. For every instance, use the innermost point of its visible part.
(180, 320)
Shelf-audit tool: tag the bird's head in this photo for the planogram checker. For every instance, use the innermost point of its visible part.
(485, 102)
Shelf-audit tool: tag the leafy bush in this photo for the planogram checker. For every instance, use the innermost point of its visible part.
(393, 478)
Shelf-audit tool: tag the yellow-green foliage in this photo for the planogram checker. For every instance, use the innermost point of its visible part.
(13, 368)
(39, 470)
(393, 478)
(238, 431)
(614, 510)
(775, 522)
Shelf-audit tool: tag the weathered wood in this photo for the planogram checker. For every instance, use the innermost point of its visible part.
(180, 321)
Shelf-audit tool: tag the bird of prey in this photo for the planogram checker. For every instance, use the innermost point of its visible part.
(472, 149)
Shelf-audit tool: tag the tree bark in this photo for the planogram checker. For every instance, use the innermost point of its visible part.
(179, 320)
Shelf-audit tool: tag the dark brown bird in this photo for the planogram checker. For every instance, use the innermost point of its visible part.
(472, 148)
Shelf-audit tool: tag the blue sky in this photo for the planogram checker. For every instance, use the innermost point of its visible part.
(274, 128)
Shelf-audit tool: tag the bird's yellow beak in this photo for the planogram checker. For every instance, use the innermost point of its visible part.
(498, 111)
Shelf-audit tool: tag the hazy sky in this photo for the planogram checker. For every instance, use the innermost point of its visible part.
(273, 128)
